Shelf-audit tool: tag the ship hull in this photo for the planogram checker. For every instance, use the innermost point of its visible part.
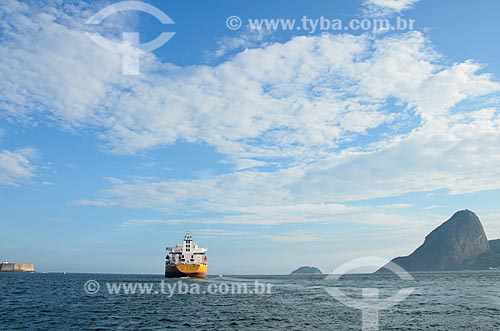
(186, 270)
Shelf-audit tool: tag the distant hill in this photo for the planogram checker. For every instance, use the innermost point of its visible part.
(457, 244)
(306, 271)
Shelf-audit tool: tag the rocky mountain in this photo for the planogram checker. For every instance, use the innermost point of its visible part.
(453, 245)
(306, 271)
(487, 260)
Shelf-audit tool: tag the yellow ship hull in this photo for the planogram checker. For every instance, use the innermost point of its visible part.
(186, 270)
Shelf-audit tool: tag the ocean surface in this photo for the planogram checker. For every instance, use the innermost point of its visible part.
(441, 301)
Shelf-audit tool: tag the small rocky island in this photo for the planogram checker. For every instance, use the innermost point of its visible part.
(306, 270)
(460, 243)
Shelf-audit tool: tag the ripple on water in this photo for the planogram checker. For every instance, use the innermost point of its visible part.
(446, 301)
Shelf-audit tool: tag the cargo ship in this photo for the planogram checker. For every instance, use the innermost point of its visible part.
(186, 260)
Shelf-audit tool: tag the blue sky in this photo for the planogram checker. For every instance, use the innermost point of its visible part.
(317, 147)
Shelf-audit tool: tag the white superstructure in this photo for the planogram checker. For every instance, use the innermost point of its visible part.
(186, 252)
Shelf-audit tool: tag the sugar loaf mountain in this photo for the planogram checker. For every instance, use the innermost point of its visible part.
(460, 243)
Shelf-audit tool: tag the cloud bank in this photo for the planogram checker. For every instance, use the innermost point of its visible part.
(339, 118)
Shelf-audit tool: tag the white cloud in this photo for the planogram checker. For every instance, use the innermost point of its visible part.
(244, 40)
(396, 206)
(242, 164)
(297, 99)
(246, 109)
(356, 117)
(94, 202)
(448, 87)
(141, 222)
(16, 166)
(433, 207)
(297, 236)
(389, 6)
(246, 197)
(455, 153)
(51, 69)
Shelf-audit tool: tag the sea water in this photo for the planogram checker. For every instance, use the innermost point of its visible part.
(440, 301)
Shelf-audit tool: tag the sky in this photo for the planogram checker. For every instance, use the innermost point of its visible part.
(275, 148)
